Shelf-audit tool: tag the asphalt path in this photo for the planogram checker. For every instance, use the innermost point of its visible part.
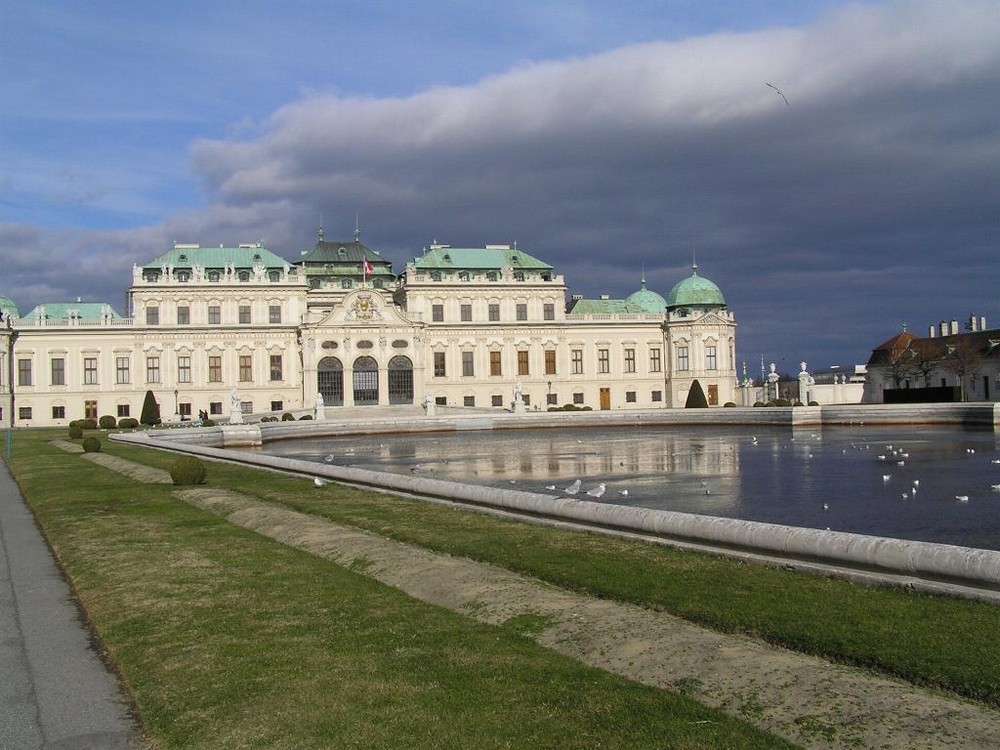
(55, 692)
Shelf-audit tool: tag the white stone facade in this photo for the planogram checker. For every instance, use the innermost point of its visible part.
(462, 337)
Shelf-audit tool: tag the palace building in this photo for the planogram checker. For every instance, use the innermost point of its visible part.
(457, 327)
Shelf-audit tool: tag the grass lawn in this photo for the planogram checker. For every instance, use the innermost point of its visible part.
(226, 639)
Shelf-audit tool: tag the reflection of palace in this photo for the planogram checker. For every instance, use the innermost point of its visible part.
(458, 327)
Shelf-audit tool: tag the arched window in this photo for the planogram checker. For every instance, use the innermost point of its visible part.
(400, 380)
(330, 381)
(365, 382)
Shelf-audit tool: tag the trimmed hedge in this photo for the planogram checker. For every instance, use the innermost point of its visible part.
(91, 445)
(75, 430)
(107, 422)
(188, 470)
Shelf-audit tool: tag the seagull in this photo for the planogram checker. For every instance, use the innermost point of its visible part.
(906, 496)
(329, 458)
(916, 483)
(995, 487)
(880, 457)
(970, 450)
(886, 477)
(995, 461)
(624, 493)
(901, 463)
(962, 498)
(318, 482)
(573, 488)
(778, 90)
(598, 491)
(826, 507)
(550, 486)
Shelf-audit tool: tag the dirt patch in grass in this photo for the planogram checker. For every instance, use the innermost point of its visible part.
(807, 700)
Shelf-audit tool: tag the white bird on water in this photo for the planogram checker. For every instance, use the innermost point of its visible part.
(573, 488)
(598, 491)
(962, 498)
(318, 482)
(886, 477)
(624, 493)
(995, 487)
(329, 458)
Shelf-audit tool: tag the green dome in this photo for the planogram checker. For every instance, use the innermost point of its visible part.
(695, 290)
(647, 300)
(8, 307)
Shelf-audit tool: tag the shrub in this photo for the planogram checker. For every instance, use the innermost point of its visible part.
(188, 470)
(150, 410)
(87, 424)
(696, 397)
(75, 430)
(814, 403)
(107, 422)
(305, 416)
(287, 417)
(208, 423)
(759, 403)
(91, 445)
(729, 405)
(127, 423)
(586, 408)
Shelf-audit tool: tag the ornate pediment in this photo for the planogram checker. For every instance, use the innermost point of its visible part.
(365, 307)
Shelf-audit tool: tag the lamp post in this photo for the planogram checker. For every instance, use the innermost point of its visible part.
(11, 338)
(177, 406)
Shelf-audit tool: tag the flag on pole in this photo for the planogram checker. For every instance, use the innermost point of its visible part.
(368, 270)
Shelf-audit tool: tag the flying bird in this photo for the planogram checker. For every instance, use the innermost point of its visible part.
(778, 90)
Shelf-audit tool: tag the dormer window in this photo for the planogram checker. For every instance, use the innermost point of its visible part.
(518, 275)
(184, 276)
(214, 276)
(244, 276)
(463, 275)
(273, 276)
(491, 275)
(435, 276)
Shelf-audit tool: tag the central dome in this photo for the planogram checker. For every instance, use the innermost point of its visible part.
(695, 290)
(647, 299)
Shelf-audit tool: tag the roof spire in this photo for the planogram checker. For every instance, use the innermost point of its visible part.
(357, 230)
(320, 232)
(694, 262)
(643, 275)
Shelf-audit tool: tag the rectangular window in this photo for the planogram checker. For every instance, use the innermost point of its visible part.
(121, 370)
(629, 397)
(214, 315)
(494, 311)
(522, 311)
(657, 396)
(710, 358)
(437, 313)
(58, 371)
(276, 369)
(550, 361)
(184, 409)
(24, 413)
(576, 361)
(577, 399)
(522, 363)
(215, 369)
(24, 372)
(549, 311)
(526, 399)
(90, 370)
(184, 369)
(152, 316)
(552, 399)
(630, 360)
(682, 358)
(215, 407)
(246, 368)
(274, 313)
(468, 365)
(244, 313)
(277, 405)
(439, 370)
(603, 361)
(59, 412)
(655, 363)
(183, 315)
(123, 410)
(496, 368)
(496, 400)
(152, 369)
(469, 401)
(466, 311)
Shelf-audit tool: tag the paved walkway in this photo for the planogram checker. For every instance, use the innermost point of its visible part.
(55, 692)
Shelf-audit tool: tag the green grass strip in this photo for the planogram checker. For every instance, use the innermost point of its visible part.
(228, 639)
(947, 643)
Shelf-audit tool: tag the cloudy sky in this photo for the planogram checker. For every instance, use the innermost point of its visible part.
(606, 142)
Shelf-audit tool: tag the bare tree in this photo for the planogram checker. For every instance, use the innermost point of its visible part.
(963, 359)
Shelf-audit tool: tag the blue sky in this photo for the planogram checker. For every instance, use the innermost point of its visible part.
(603, 141)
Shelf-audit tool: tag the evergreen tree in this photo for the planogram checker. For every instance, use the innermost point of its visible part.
(696, 397)
(150, 410)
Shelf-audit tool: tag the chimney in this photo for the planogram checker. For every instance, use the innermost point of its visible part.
(972, 323)
(982, 322)
(932, 331)
(954, 327)
(944, 328)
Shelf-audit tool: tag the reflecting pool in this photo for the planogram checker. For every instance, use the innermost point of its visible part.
(936, 484)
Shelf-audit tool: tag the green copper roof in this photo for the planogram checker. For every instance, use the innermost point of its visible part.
(242, 256)
(648, 300)
(85, 311)
(8, 307)
(606, 307)
(490, 258)
(695, 290)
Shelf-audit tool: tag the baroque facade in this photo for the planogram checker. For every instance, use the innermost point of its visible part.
(459, 327)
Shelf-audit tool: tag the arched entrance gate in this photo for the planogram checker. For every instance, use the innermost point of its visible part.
(364, 381)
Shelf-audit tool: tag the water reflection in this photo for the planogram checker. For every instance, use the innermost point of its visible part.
(829, 478)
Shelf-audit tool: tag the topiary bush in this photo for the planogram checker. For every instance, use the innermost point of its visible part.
(696, 397)
(87, 424)
(91, 445)
(814, 403)
(188, 470)
(208, 423)
(150, 410)
(128, 423)
(107, 422)
(287, 417)
(75, 430)
(729, 405)
(306, 416)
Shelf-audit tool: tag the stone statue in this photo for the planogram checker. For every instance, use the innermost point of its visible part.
(235, 412)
